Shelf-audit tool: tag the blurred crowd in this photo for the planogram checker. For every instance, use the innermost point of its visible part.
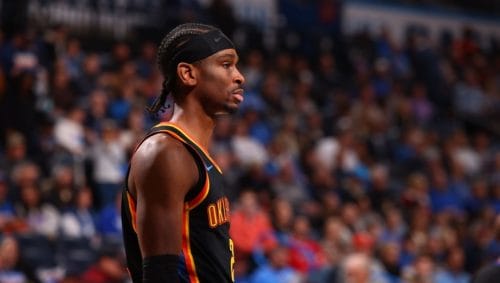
(373, 160)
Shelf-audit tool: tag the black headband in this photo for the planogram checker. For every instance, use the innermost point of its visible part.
(201, 46)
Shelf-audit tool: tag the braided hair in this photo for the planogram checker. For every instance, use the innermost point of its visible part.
(169, 46)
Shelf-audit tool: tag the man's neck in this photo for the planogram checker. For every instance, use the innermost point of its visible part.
(199, 127)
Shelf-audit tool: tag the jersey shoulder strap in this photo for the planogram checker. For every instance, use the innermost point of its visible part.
(191, 148)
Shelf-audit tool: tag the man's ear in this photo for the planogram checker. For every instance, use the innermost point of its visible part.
(187, 74)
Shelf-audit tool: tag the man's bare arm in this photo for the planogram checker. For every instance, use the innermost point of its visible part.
(162, 173)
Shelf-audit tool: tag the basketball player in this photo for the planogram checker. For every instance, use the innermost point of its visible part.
(175, 212)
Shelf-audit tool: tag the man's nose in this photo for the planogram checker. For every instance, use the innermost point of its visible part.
(239, 78)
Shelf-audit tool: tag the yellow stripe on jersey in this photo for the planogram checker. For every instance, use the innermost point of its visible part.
(191, 140)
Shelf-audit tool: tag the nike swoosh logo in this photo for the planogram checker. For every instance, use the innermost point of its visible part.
(209, 167)
(217, 39)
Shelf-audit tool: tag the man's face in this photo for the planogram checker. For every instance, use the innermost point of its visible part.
(220, 83)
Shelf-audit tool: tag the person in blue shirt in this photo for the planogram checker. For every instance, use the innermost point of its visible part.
(454, 271)
(109, 220)
(276, 270)
(6, 206)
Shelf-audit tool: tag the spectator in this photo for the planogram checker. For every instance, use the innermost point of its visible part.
(147, 61)
(365, 111)
(12, 268)
(442, 198)
(454, 273)
(464, 154)
(119, 56)
(42, 218)
(24, 174)
(98, 110)
(288, 185)
(15, 153)
(122, 101)
(108, 156)
(249, 214)
(306, 255)
(70, 133)
(63, 92)
(322, 182)
(107, 269)
(338, 153)
(416, 193)
(247, 150)
(421, 107)
(253, 70)
(421, 271)
(134, 131)
(7, 211)
(91, 71)
(109, 223)
(73, 58)
(390, 259)
(395, 228)
(337, 244)
(479, 197)
(79, 220)
(277, 269)
(356, 268)
(282, 217)
(63, 190)
(380, 192)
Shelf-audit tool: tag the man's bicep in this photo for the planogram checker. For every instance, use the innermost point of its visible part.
(162, 184)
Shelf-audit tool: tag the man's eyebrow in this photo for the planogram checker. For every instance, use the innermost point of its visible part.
(230, 55)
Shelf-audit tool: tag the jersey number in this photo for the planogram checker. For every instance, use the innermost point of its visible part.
(231, 248)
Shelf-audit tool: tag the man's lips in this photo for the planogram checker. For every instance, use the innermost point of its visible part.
(238, 94)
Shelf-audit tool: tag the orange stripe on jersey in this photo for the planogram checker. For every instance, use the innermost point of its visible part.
(133, 213)
(206, 187)
(192, 140)
(201, 195)
(186, 249)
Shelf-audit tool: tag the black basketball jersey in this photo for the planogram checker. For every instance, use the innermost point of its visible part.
(207, 250)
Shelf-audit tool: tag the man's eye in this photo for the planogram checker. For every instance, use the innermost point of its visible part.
(226, 65)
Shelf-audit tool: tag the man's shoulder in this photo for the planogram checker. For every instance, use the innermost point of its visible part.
(161, 156)
(159, 145)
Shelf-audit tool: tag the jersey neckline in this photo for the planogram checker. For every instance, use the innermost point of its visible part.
(186, 135)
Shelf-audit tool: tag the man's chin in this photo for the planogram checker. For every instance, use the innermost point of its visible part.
(228, 110)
